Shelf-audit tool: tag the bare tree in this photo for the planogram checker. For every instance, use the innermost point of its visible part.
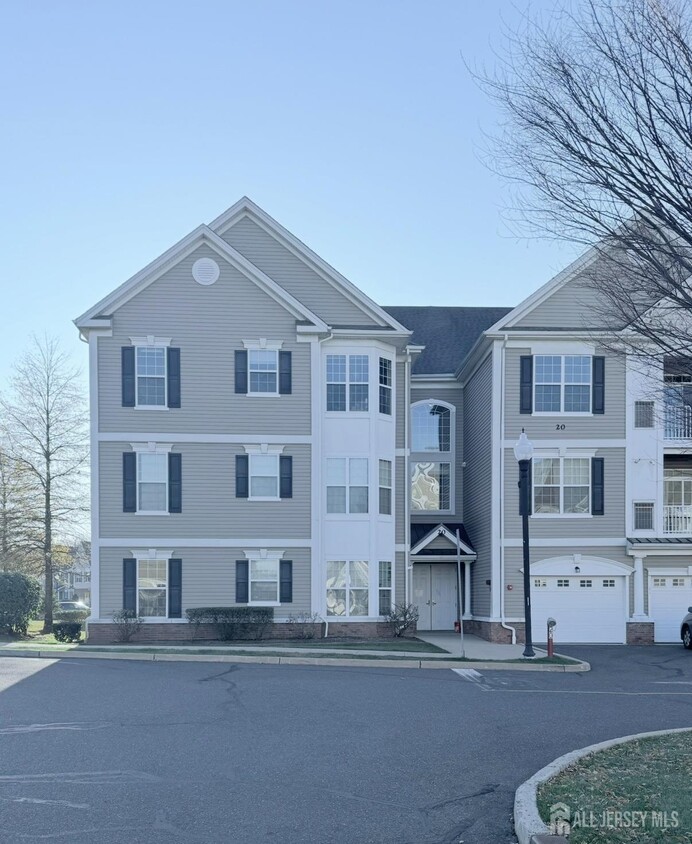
(597, 141)
(17, 516)
(45, 427)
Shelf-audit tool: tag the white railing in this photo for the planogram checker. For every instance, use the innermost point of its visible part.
(677, 518)
(678, 422)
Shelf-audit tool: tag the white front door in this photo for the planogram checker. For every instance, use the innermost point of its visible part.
(669, 598)
(435, 595)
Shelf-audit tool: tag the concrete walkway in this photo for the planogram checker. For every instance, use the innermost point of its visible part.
(474, 647)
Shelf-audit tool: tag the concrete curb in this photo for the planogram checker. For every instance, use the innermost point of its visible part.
(527, 821)
(294, 660)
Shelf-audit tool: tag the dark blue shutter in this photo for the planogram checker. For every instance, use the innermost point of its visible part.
(526, 384)
(284, 373)
(175, 588)
(598, 386)
(286, 581)
(175, 483)
(240, 371)
(173, 375)
(242, 480)
(241, 581)
(129, 482)
(286, 477)
(597, 487)
(130, 584)
(127, 359)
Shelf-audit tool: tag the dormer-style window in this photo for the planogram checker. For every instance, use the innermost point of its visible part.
(432, 456)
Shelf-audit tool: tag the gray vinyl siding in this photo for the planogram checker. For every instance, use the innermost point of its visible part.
(610, 424)
(210, 508)
(401, 491)
(401, 404)
(611, 524)
(455, 398)
(294, 275)
(440, 543)
(514, 598)
(571, 306)
(400, 578)
(208, 324)
(478, 491)
(208, 578)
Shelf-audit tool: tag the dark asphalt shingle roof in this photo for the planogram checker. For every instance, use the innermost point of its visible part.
(448, 334)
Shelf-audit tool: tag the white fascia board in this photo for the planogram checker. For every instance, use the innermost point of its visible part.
(245, 207)
(547, 290)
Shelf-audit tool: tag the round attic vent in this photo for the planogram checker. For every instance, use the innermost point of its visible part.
(205, 271)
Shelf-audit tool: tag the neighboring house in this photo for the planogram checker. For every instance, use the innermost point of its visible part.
(73, 585)
(263, 433)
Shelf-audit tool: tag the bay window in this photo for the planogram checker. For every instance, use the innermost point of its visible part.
(347, 588)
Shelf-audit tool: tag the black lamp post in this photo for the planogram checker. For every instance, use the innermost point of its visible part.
(523, 451)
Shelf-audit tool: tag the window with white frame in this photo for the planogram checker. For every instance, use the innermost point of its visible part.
(643, 515)
(385, 587)
(386, 487)
(561, 485)
(263, 371)
(432, 455)
(562, 383)
(678, 582)
(386, 386)
(643, 414)
(347, 588)
(264, 580)
(539, 583)
(152, 482)
(152, 588)
(347, 485)
(563, 583)
(609, 583)
(264, 476)
(151, 376)
(659, 582)
(586, 584)
(347, 382)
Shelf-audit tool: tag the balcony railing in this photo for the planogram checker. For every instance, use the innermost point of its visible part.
(678, 422)
(677, 518)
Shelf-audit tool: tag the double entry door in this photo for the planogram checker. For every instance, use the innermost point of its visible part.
(435, 595)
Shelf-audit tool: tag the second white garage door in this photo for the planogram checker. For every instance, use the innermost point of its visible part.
(669, 598)
(587, 609)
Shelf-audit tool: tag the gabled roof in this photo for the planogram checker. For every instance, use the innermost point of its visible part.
(201, 235)
(448, 334)
(245, 207)
(423, 534)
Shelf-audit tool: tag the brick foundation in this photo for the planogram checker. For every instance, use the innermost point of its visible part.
(640, 632)
(102, 633)
(493, 631)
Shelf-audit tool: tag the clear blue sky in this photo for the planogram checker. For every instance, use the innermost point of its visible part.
(353, 122)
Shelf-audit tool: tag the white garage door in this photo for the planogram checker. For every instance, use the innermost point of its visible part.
(587, 609)
(669, 598)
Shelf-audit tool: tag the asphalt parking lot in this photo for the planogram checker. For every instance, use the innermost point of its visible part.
(106, 751)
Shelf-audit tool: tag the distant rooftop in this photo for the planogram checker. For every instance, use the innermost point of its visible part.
(448, 334)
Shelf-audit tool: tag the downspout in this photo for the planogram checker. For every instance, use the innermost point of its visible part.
(503, 623)
(319, 457)
(408, 566)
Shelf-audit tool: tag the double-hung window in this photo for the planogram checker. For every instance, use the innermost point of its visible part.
(562, 383)
(347, 485)
(152, 588)
(347, 382)
(385, 487)
(264, 476)
(347, 588)
(263, 369)
(386, 386)
(385, 587)
(561, 485)
(432, 456)
(264, 581)
(151, 376)
(152, 482)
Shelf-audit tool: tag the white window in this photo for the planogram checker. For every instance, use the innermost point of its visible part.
(540, 584)
(263, 369)
(152, 482)
(643, 414)
(563, 583)
(609, 583)
(151, 376)
(561, 485)
(385, 585)
(152, 588)
(347, 371)
(586, 584)
(678, 582)
(643, 515)
(432, 455)
(386, 487)
(347, 588)
(659, 582)
(264, 581)
(562, 384)
(264, 476)
(386, 386)
(347, 485)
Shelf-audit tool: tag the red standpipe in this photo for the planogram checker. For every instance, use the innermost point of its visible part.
(550, 639)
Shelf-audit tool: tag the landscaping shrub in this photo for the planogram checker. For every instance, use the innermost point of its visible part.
(304, 625)
(233, 622)
(19, 598)
(67, 631)
(71, 615)
(127, 624)
(401, 618)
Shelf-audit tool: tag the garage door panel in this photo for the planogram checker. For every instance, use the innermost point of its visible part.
(584, 613)
(669, 598)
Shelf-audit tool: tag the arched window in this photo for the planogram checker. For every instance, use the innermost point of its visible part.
(432, 456)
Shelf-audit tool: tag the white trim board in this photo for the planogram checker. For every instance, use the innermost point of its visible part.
(574, 542)
(179, 437)
(139, 542)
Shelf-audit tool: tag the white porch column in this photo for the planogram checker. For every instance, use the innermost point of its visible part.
(467, 589)
(639, 590)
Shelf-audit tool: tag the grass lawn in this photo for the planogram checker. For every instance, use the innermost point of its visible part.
(409, 645)
(652, 775)
(34, 636)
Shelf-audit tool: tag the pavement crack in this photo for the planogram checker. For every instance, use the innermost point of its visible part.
(491, 788)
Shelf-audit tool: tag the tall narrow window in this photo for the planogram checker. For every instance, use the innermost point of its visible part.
(385, 587)
(152, 482)
(263, 370)
(264, 476)
(152, 581)
(386, 487)
(386, 386)
(264, 581)
(347, 382)
(151, 376)
(643, 515)
(432, 456)
(347, 588)
(643, 414)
